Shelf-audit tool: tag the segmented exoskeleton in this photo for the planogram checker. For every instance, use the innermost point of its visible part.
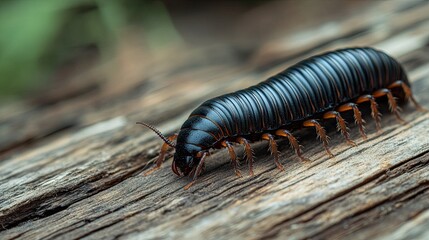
(320, 87)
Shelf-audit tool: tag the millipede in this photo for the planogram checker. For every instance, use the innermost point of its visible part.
(304, 95)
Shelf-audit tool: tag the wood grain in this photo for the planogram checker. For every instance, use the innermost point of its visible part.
(73, 167)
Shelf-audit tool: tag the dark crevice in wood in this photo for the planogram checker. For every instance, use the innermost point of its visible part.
(412, 193)
(405, 167)
(19, 235)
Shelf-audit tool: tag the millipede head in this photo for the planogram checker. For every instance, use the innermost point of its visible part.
(185, 162)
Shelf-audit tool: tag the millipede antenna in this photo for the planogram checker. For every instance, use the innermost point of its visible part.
(170, 143)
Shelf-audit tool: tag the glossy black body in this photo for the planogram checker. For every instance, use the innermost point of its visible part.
(303, 91)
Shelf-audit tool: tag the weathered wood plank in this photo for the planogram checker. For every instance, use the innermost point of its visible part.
(85, 180)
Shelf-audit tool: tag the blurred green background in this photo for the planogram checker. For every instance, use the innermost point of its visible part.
(39, 36)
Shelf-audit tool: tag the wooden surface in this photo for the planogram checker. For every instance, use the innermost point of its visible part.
(72, 160)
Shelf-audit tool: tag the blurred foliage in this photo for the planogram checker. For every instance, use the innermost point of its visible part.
(37, 36)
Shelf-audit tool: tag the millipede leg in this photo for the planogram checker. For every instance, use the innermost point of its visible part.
(198, 170)
(321, 133)
(341, 125)
(233, 157)
(357, 115)
(273, 149)
(376, 115)
(161, 156)
(293, 142)
(248, 151)
(408, 93)
(392, 102)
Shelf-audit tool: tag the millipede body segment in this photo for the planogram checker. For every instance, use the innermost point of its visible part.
(318, 88)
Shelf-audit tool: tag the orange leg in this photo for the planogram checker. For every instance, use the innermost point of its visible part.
(293, 142)
(341, 125)
(273, 149)
(249, 153)
(233, 157)
(392, 102)
(374, 109)
(321, 133)
(357, 115)
(408, 94)
(198, 170)
(162, 154)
